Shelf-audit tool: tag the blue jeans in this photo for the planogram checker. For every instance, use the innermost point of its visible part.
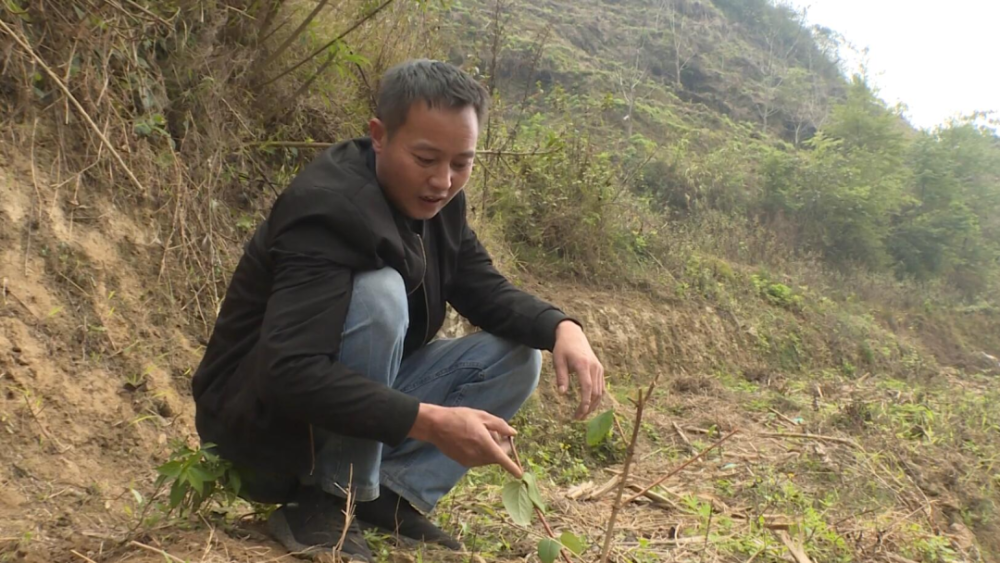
(479, 371)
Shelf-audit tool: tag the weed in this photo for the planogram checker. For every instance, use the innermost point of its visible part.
(196, 476)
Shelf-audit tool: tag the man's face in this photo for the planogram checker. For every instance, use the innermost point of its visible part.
(427, 160)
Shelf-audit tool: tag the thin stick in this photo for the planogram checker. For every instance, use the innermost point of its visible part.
(682, 466)
(683, 436)
(211, 536)
(312, 55)
(538, 511)
(348, 510)
(155, 550)
(618, 426)
(151, 14)
(817, 437)
(82, 556)
(55, 78)
(617, 506)
(785, 418)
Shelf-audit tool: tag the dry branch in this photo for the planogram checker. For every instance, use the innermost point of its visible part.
(795, 549)
(82, 556)
(682, 466)
(816, 437)
(156, 550)
(55, 78)
(329, 44)
(640, 404)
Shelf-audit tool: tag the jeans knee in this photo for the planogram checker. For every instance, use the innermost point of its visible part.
(382, 298)
(529, 369)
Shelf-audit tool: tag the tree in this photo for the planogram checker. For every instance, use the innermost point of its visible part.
(682, 37)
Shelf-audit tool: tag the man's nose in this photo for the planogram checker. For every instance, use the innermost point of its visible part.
(441, 179)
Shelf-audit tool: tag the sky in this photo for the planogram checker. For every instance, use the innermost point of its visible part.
(941, 59)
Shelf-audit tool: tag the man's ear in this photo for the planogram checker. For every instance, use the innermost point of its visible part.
(379, 134)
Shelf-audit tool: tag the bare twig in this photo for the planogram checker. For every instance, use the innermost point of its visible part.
(798, 553)
(294, 35)
(348, 510)
(784, 418)
(538, 511)
(329, 44)
(680, 432)
(682, 466)
(610, 531)
(817, 437)
(55, 78)
(82, 556)
(156, 550)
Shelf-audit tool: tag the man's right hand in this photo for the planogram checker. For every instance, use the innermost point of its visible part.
(465, 435)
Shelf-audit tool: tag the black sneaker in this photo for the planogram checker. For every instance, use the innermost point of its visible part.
(312, 525)
(392, 514)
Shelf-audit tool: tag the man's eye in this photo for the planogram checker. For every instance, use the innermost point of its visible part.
(425, 161)
(461, 165)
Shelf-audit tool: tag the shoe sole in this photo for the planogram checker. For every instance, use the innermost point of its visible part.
(278, 527)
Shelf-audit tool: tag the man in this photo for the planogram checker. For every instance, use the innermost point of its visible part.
(321, 375)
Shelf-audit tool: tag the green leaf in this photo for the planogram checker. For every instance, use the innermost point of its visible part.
(532, 484)
(197, 476)
(548, 550)
(177, 492)
(599, 427)
(517, 502)
(171, 470)
(572, 542)
(235, 482)
(195, 480)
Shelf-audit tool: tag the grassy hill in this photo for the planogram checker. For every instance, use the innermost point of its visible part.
(761, 236)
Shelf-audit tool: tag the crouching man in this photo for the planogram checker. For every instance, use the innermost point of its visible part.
(322, 373)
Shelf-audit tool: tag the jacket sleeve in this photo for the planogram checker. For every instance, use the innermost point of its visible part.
(484, 296)
(300, 342)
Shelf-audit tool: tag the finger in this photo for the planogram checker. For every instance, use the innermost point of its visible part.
(562, 373)
(498, 425)
(586, 388)
(597, 393)
(500, 457)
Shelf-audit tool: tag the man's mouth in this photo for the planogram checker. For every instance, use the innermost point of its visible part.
(431, 199)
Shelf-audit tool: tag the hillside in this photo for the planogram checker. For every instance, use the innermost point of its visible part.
(682, 237)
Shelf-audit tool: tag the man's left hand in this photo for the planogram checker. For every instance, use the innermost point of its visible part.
(572, 353)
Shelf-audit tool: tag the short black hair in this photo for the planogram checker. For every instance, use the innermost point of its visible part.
(437, 83)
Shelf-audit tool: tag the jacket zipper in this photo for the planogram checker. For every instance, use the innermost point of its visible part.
(423, 278)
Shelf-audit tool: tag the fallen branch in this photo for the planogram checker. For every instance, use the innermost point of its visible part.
(795, 549)
(640, 404)
(684, 438)
(817, 437)
(538, 511)
(82, 556)
(682, 466)
(156, 550)
(55, 78)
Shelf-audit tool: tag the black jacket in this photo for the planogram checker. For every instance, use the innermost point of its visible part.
(270, 370)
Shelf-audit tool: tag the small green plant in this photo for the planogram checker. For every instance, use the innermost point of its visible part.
(599, 428)
(521, 498)
(776, 293)
(195, 476)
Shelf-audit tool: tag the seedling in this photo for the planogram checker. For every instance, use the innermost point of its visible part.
(195, 476)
